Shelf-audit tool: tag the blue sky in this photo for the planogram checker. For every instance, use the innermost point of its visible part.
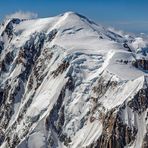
(128, 15)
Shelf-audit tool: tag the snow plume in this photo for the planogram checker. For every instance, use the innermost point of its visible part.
(139, 43)
(22, 15)
(120, 32)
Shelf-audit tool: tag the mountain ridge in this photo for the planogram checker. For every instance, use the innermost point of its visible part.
(67, 82)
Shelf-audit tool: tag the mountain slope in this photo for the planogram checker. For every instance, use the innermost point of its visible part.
(68, 82)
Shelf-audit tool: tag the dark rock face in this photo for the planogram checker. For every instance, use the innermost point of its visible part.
(145, 141)
(65, 97)
(9, 28)
(125, 45)
(115, 134)
(56, 118)
(140, 101)
(141, 63)
(1, 46)
(52, 35)
(29, 57)
(103, 86)
(62, 67)
(31, 53)
(6, 63)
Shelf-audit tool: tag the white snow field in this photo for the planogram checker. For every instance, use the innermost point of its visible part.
(60, 77)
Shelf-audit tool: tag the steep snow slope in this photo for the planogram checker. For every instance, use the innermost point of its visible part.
(68, 82)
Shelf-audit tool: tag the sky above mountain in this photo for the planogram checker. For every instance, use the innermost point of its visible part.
(128, 15)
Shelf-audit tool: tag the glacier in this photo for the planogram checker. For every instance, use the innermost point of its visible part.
(67, 82)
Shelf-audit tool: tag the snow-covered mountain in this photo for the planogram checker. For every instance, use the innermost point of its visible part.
(66, 82)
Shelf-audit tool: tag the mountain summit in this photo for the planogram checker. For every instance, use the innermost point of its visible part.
(66, 82)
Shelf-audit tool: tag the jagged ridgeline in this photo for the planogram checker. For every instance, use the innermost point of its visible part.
(66, 82)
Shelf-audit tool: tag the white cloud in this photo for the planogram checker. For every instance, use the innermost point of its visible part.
(120, 32)
(22, 15)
